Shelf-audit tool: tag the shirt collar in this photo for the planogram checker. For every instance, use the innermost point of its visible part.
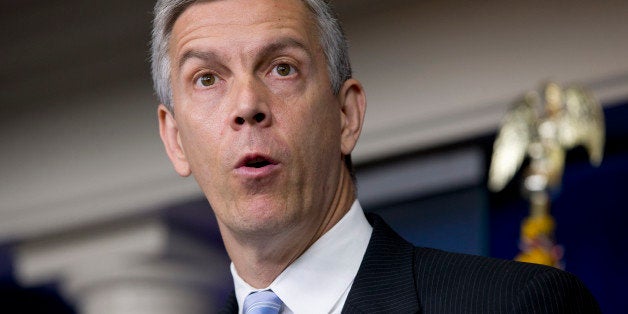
(316, 281)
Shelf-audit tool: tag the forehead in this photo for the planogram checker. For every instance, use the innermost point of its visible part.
(235, 21)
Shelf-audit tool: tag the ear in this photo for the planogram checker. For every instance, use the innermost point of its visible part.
(353, 106)
(171, 138)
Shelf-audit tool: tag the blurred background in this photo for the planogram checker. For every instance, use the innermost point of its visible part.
(94, 220)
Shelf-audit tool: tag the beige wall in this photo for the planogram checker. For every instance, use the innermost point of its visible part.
(437, 71)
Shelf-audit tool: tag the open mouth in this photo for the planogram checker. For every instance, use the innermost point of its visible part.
(256, 161)
(256, 166)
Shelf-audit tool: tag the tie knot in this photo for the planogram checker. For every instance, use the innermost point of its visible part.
(262, 302)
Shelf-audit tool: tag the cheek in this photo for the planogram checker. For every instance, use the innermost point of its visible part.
(200, 140)
(207, 159)
(319, 132)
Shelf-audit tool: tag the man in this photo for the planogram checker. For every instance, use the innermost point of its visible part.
(258, 104)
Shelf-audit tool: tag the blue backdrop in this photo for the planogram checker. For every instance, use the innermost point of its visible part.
(591, 213)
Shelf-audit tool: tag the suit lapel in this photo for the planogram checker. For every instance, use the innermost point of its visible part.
(385, 281)
(231, 306)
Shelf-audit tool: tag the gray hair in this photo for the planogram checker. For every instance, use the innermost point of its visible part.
(332, 41)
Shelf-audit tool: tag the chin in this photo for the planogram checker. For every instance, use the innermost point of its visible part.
(266, 216)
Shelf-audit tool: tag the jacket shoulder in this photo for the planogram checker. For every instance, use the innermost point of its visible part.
(460, 283)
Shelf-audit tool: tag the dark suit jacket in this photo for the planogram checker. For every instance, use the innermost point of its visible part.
(396, 277)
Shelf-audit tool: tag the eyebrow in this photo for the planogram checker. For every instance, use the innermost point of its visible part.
(264, 52)
(282, 44)
(196, 54)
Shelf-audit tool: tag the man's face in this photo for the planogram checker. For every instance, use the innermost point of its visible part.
(255, 120)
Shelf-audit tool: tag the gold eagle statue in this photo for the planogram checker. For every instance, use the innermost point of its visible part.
(543, 128)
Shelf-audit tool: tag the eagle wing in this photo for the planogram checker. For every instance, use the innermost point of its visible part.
(582, 124)
(509, 150)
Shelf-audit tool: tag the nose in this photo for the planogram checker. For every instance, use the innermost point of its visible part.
(250, 105)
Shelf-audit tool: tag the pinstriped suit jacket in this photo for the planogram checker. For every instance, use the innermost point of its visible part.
(396, 277)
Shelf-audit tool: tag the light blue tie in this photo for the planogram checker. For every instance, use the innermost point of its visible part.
(262, 302)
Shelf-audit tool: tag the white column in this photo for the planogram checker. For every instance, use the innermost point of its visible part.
(143, 266)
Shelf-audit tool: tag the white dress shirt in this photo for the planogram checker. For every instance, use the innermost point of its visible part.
(320, 279)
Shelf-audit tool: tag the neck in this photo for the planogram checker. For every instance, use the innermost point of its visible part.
(260, 262)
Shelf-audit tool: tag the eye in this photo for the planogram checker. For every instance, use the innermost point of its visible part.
(206, 80)
(284, 69)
